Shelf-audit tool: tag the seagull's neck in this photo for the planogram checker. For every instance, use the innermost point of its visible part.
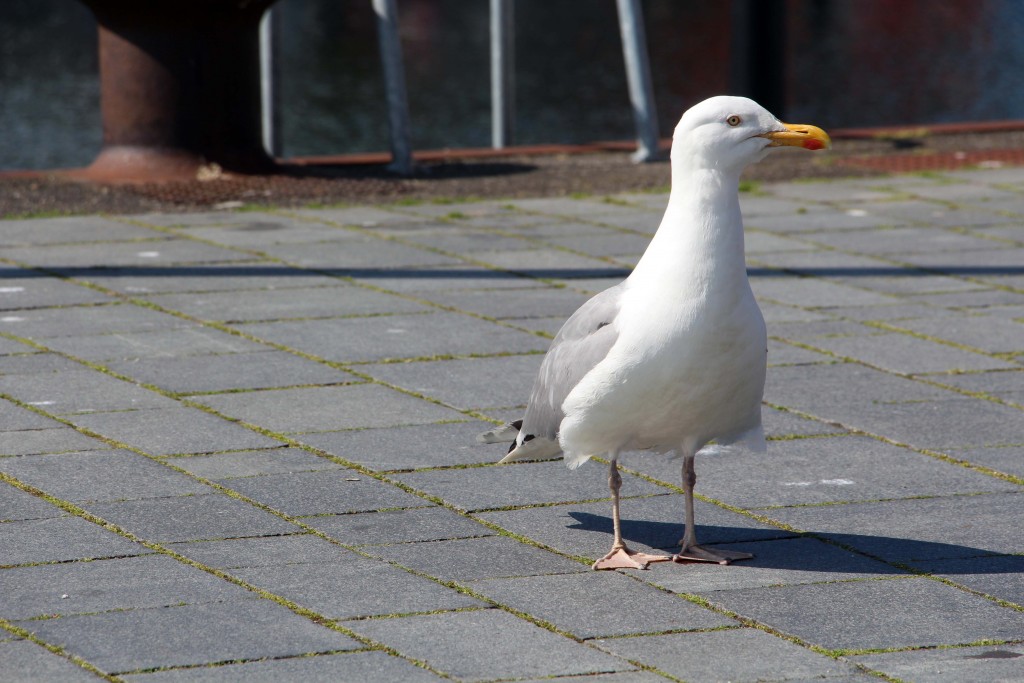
(700, 241)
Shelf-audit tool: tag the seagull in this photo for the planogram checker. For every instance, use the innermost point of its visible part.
(672, 358)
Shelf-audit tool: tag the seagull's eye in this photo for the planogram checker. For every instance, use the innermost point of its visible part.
(734, 120)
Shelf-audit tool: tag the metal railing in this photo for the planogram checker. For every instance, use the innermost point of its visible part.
(502, 40)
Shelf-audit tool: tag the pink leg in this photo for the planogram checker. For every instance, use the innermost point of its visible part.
(620, 556)
(690, 551)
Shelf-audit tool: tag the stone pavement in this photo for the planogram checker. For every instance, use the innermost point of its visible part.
(239, 446)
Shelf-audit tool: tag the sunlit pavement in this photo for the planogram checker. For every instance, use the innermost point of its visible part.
(240, 446)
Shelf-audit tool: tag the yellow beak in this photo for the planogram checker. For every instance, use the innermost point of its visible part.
(799, 135)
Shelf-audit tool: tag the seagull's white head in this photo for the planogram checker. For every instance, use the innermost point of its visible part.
(730, 133)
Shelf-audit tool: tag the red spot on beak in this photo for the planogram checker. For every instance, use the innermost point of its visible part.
(813, 144)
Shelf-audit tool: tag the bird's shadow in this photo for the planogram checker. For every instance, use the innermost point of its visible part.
(925, 555)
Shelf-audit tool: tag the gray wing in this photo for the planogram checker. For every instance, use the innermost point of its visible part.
(583, 342)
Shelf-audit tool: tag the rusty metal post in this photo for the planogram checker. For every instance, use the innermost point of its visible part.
(179, 88)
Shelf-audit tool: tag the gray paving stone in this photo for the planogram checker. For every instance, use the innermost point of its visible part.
(546, 263)
(325, 492)
(962, 192)
(253, 463)
(37, 363)
(807, 331)
(942, 215)
(781, 353)
(975, 262)
(505, 303)
(74, 258)
(79, 229)
(60, 440)
(464, 384)
(61, 539)
(328, 408)
(596, 604)
(262, 551)
(781, 313)
(648, 524)
(265, 232)
(812, 388)
(80, 391)
(205, 277)
(11, 346)
(545, 326)
(368, 667)
(898, 241)
(1008, 175)
(899, 311)
(36, 291)
(779, 423)
(284, 304)
(351, 340)
(487, 644)
(99, 476)
(1006, 459)
(779, 562)
(42, 323)
(985, 332)
(608, 243)
(179, 342)
(223, 372)
(756, 656)
(586, 207)
(192, 634)
(1008, 385)
(917, 530)
(351, 256)
(765, 242)
(216, 218)
(104, 585)
(472, 559)
(987, 663)
(618, 677)
(17, 505)
(911, 281)
(826, 192)
(858, 615)
(456, 239)
(824, 263)
(1000, 576)
(398, 526)
(815, 293)
(814, 471)
(25, 661)
(818, 219)
(941, 425)
(15, 418)
(174, 430)
(480, 488)
(466, 211)
(190, 518)
(909, 355)
(978, 301)
(765, 205)
(403, 448)
(417, 281)
(354, 587)
(365, 216)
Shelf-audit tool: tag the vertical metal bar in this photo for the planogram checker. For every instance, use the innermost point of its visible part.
(638, 73)
(268, 84)
(503, 106)
(394, 85)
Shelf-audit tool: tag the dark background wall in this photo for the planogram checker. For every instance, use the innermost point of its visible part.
(844, 63)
